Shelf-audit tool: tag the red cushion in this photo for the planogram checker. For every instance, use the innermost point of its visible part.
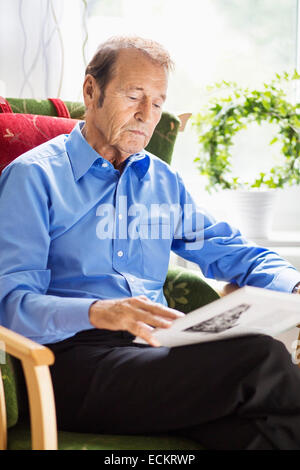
(22, 132)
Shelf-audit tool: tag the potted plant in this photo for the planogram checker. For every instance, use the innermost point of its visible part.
(224, 117)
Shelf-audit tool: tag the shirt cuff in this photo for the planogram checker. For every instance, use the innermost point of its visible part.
(285, 281)
(73, 314)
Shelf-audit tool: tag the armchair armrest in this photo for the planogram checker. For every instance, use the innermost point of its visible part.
(227, 288)
(183, 120)
(35, 360)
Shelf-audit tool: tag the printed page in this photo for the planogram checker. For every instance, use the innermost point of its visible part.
(249, 310)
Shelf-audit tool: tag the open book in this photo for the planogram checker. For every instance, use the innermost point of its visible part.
(249, 310)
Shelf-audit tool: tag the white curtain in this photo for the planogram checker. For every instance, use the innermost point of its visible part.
(43, 49)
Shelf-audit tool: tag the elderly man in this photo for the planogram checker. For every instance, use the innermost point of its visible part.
(77, 274)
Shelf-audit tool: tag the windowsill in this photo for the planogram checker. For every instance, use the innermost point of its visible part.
(280, 239)
(285, 243)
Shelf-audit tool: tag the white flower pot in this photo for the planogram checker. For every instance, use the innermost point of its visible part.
(251, 211)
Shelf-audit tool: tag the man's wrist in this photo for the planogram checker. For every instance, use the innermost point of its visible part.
(296, 289)
(90, 311)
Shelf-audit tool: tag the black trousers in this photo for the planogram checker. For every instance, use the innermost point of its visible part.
(241, 393)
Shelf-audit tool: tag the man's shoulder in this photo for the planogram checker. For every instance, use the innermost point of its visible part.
(44, 155)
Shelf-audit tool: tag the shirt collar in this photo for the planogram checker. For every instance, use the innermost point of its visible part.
(82, 156)
(140, 162)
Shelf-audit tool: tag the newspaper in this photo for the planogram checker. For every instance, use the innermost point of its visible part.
(248, 310)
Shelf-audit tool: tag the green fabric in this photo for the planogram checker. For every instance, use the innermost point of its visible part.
(44, 107)
(19, 439)
(10, 391)
(185, 290)
(163, 139)
(14, 390)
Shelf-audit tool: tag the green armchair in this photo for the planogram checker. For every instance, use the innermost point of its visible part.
(27, 406)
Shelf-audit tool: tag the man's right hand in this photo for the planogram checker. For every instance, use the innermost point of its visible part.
(138, 315)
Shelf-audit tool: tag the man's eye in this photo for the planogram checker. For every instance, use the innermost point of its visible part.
(158, 106)
(133, 98)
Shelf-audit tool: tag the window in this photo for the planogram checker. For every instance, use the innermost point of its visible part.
(212, 40)
(246, 41)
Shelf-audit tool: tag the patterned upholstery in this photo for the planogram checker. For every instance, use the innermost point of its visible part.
(9, 378)
(44, 107)
(21, 132)
(184, 290)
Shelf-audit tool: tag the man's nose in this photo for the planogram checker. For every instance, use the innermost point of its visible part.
(144, 112)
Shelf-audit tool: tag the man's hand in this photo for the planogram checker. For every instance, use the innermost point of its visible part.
(138, 315)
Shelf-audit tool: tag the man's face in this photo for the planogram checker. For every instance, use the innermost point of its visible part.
(132, 105)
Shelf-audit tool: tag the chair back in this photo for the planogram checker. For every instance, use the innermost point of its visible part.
(20, 132)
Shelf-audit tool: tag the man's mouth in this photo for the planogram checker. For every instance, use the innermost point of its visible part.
(137, 132)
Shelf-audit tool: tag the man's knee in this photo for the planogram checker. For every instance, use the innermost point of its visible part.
(258, 359)
(269, 351)
(273, 348)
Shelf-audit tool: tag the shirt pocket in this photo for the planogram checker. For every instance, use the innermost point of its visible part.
(156, 237)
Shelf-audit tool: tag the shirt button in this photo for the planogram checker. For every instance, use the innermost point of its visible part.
(104, 165)
(120, 216)
(132, 279)
(120, 253)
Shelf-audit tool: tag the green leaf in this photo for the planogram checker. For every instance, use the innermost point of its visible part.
(182, 300)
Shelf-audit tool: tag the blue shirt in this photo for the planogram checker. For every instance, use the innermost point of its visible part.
(74, 229)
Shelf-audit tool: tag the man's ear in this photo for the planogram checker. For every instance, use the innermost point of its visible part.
(91, 91)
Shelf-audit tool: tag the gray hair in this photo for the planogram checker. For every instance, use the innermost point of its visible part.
(101, 67)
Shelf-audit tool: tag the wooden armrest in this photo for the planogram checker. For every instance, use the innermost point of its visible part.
(35, 360)
(25, 349)
(183, 120)
(227, 289)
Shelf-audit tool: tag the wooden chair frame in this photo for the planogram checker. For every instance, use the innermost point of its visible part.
(35, 360)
